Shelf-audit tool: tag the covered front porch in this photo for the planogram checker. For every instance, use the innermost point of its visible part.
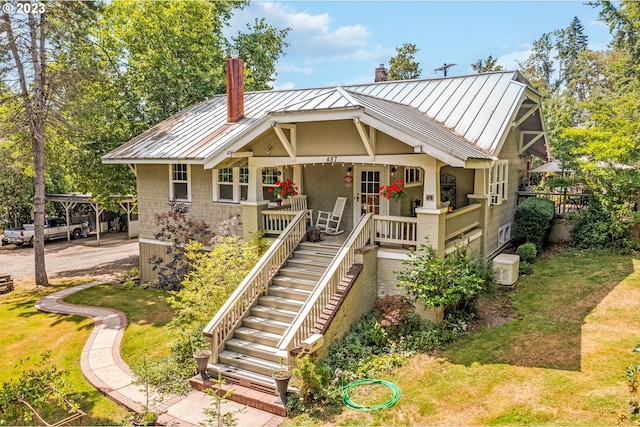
(438, 208)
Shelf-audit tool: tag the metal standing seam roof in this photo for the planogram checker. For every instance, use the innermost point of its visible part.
(468, 114)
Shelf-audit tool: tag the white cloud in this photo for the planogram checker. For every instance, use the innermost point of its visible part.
(287, 67)
(285, 86)
(510, 60)
(313, 33)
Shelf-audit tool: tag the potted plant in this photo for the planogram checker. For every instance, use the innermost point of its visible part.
(283, 190)
(282, 377)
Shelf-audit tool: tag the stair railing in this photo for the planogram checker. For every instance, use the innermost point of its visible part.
(303, 324)
(221, 327)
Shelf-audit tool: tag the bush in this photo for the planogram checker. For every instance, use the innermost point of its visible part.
(525, 268)
(527, 252)
(533, 221)
(452, 281)
(600, 227)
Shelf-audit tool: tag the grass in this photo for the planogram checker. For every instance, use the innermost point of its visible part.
(559, 362)
(27, 333)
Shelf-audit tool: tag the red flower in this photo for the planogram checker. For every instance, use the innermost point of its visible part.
(395, 190)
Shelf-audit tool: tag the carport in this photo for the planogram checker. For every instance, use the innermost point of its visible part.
(70, 201)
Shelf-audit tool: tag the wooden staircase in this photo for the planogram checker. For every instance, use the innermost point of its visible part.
(251, 355)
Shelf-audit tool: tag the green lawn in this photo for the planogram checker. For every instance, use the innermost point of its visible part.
(27, 333)
(559, 362)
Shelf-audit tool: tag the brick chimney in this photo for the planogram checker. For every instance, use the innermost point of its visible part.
(235, 89)
(381, 74)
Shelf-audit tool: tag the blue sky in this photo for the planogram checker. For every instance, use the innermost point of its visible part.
(342, 42)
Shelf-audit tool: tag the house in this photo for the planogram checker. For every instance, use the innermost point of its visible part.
(462, 145)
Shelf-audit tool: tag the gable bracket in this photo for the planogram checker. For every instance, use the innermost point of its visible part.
(536, 136)
(530, 111)
(369, 141)
(290, 146)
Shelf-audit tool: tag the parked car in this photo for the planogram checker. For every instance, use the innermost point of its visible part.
(54, 228)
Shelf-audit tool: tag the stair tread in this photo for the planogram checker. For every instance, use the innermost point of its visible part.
(247, 332)
(308, 261)
(300, 270)
(249, 345)
(280, 300)
(263, 320)
(243, 373)
(323, 253)
(295, 281)
(274, 309)
(230, 355)
(295, 291)
(320, 246)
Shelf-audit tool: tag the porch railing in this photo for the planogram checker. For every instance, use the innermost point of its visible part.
(396, 230)
(275, 221)
(235, 308)
(303, 324)
(462, 220)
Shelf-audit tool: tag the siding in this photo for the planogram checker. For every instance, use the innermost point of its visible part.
(504, 213)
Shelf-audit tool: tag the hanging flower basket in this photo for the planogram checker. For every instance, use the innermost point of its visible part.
(394, 191)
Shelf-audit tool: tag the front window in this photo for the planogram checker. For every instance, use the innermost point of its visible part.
(231, 184)
(498, 182)
(180, 182)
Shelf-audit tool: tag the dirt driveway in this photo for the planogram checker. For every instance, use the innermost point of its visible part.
(78, 258)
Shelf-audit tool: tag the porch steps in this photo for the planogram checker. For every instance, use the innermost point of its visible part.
(251, 355)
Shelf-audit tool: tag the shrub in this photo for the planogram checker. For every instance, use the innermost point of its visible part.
(600, 227)
(177, 229)
(527, 252)
(525, 268)
(450, 281)
(533, 221)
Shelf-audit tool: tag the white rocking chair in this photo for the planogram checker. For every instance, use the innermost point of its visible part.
(329, 222)
(299, 203)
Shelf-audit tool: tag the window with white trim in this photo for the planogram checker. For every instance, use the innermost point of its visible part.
(180, 188)
(498, 176)
(269, 178)
(412, 176)
(504, 234)
(230, 184)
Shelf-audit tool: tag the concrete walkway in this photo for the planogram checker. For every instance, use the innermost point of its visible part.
(104, 368)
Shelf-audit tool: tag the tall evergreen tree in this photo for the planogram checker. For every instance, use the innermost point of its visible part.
(570, 43)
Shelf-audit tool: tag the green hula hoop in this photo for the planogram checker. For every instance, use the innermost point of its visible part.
(388, 404)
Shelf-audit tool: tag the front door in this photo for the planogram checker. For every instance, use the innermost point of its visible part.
(366, 191)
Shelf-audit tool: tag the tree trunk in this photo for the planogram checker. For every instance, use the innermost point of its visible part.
(35, 113)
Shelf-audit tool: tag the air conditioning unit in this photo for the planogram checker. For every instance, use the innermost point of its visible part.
(495, 199)
(506, 267)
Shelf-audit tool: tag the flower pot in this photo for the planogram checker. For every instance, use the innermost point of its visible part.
(202, 359)
(282, 384)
